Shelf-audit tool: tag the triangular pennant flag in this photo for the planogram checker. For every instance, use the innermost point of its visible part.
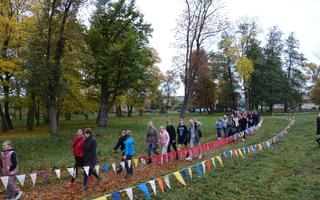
(58, 172)
(179, 177)
(101, 198)
(213, 162)
(135, 161)
(239, 150)
(106, 167)
(71, 171)
(198, 170)
(116, 196)
(184, 174)
(21, 179)
(204, 166)
(86, 169)
(236, 153)
(129, 193)
(144, 189)
(114, 167)
(122, 163)
(219, 160)
(33, 178)
(5, 180)
(129, 163)
(160, 183)
(97, 168)
(153, 186)
(190, 172)
(260, 146)
(167, 181)
(208, 165)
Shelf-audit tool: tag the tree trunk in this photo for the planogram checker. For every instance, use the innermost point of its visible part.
(130, 109)
(20, 113)
(52, 115)
(86, 116)
(38, 113)
(140, 113)
(6, 107)
(31, 113)
(3, 121)
(103, 112)
(68, 116)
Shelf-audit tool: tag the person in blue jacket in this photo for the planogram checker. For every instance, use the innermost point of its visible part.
(129, 153)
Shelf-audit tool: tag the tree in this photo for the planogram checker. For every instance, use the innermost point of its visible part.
(117, 38)
(200, 22)
(169, 85)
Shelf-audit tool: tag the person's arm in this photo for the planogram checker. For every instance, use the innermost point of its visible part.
(117, 145)
(13, 161)
(168, 138)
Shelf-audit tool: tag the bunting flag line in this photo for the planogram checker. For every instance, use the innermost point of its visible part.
(208, 165)
(122, 163)
(129, 193)
(179, 178)
(240, 153)
(21, 179)
(106, 167)
(204, 166)
(5, 180)
(116, 196)
(143, 187)
(114, 167)
(213, 162)
(167, 181)
(198, 170)
(129, 163)
(219, 160)
(135, 161)
(86, 169)
(160, 183)
(153, 186)
(33, 178)
(184, 174)
(58, 172)
(71, 171)
(190, 172)
(97, 168)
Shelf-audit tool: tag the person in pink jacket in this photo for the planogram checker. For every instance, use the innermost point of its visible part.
(164, 141)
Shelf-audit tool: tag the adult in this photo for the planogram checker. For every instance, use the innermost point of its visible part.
(164, 141)
(225, 126)
(172, 134)
(243, 123)
(219, 126)
(129, 153)
(318, 128)
(89, 157)
(77, 148)
(250, 119)
(193, 138)
(10, 168)
(182, 132)
(120, 144)
(151, 140)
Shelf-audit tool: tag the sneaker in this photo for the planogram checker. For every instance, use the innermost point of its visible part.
(18, 195)
(189, 159)
(69, 185)
(200, 157)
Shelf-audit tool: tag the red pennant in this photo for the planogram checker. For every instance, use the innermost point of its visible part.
(208, 165)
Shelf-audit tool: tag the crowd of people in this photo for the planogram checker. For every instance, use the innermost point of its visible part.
(238, 121)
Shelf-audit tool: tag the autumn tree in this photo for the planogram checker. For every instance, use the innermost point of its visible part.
(199, 24)
(169, 85)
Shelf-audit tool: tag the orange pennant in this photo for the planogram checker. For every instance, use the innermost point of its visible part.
(208, 165)
(160, 182)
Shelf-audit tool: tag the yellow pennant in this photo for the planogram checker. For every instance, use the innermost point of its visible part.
(101, 198)
(260, 147)
(179, 178)
(219, 160)
(240, 152)
(135, 162)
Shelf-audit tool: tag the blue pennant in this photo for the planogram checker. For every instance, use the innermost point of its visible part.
(143, 187)
(116, 196)
(198, 170)
(106, 167)
(184, 173)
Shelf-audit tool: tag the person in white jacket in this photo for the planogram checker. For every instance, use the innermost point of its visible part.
(164, 141)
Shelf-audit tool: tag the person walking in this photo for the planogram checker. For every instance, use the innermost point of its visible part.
(219, 126)
(182, 132)
(89, 157)
(77, 148)
(225, 126)
(164, 141)
(120, 144)
(10, 168)
(318, 128)
(152, 141)
(172, 134)
(129, 153)
(193, 138)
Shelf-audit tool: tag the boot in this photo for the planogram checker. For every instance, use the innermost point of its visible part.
(149, 161)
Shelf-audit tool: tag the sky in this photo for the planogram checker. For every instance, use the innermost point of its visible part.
(299, 16)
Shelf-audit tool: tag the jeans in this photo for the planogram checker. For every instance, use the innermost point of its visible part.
(129, 169)
(12, 188)
(154, 149)
(92, 170)
(219, 130)
(225, 131)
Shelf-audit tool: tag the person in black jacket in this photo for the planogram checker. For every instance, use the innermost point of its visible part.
(89, 157)
(120, 144)
(182, 132)
(318, 128)
(172, 134)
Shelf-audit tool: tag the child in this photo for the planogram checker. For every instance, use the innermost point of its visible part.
(164, 141)
(129, 153)
(77, 147)
(9, 166)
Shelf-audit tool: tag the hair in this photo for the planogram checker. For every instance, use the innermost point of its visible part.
(150, 124)
(129, 132)
(88, 131)
(8, 142)
(80, 130)
(123, 130)
(161, 127)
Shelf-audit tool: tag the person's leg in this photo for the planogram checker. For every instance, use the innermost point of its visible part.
(93, 171)
(154, 149)
(318, 141)
(169, 146)
(149, 154)
(174, 146)
(13, 190)
(129, 169)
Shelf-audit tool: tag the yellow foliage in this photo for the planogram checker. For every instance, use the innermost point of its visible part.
(244, 68)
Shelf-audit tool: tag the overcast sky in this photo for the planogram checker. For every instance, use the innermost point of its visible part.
(299, 16)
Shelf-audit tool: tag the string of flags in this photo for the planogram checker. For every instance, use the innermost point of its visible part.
(186, 174)
(204, 148)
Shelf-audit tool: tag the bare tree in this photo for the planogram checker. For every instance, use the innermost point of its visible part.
(199, 24)
(169, 85)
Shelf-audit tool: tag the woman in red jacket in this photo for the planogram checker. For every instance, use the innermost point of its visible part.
(77, 147)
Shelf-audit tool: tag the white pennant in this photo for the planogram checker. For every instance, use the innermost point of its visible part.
(143, 161)
(129, 163)
(236, 153)
(167, 181)
(204, 166)
(21, 179)
(190, 172)
(153, 186)
(33, 178)
(114, 167)
(86, 169)
(71, 171)
(213, 162)
(5, 180)
(122, 164)
(58, 172)
(97, 167)
(129, 193)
